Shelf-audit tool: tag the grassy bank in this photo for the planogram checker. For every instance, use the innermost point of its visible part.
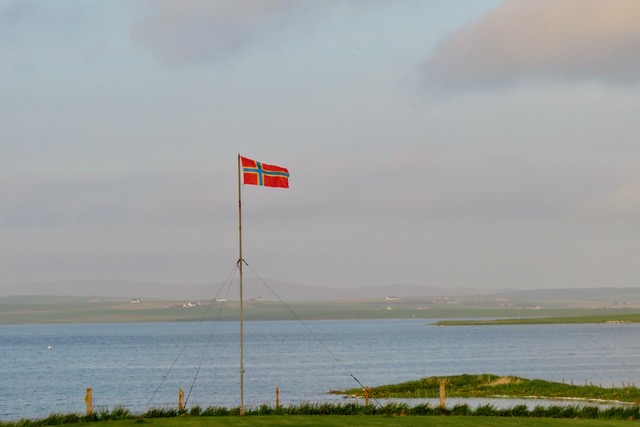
(360, 420)
(350, 414)
(601, 319)
(488, 385)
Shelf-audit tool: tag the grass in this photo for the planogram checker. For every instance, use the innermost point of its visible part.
(488, 385)
(609, 318)
(341, 414)
(363, 420)
(564, 417)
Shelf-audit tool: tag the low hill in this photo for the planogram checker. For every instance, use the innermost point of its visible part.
(253, 288)
(278, 290)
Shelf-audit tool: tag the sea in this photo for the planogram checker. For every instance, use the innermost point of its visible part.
(46, 369)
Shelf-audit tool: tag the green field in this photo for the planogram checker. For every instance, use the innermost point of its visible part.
(363, 420)
(487, 385)
(608, 318)
(342, 421)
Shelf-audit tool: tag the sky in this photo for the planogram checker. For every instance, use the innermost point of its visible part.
(461, 143)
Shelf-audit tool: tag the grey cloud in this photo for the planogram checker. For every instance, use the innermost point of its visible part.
(485, 190)
(543, 40)
(46, 202)
(200, 30)
(43, 203)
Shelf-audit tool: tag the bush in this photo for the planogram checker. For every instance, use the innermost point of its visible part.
(461, 409)
(395, 409)
(538, 412)
(215, 411)
(353, 408)
(519, 411)
(264, 410)
(422, 409)
(161, 413)
(486, 411)
(591, 412)
(570, 412)
(118, 413)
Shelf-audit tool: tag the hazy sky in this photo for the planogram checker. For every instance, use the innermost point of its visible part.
(475, 143)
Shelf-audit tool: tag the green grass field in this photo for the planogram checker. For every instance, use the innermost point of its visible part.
(608, 318)
(345, 414)
(487, 385)
(356, 420)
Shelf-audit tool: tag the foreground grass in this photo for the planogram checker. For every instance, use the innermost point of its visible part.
(617, 318)
(488, 385)
(363, 420)
(347, 414)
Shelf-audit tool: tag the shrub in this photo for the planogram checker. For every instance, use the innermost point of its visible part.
(591, 412)
(461, 409)
(538, 412)
(487, 410)
(264, 410)
(117, 413)
(519, 411)
(554, 411)
(215, 411)
(354, 409)
(570, 412)
(422, 409)
(395, 409)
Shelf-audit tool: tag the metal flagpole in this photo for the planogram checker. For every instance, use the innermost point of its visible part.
(240, 261)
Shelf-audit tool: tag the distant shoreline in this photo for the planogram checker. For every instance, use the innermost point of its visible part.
(40, 309)
(613, 319)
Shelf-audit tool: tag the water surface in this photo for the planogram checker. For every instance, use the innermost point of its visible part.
(47, 368)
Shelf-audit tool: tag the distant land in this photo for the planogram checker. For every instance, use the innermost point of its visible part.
(88, 301)
(252, 288)
(283, 291)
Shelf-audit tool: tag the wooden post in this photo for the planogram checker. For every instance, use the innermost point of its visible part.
(277, 397)
(443, 393)
(180, 400)
(366, 396)
(88, 399)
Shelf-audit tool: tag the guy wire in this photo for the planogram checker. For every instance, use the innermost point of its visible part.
(227, 280)
(335, 358)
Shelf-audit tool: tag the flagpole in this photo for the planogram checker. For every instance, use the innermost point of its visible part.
(240, 261)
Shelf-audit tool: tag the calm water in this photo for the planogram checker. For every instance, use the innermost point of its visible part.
(47, 368)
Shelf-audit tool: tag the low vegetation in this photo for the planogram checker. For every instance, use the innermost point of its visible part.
(605, 319)
(488, 385)
(309, 410)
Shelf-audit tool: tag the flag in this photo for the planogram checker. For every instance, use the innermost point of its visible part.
(256, 173)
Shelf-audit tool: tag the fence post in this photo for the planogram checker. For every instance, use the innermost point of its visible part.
(180, 400)
(443, 392)
(277, 397)
(366, 396)
(88, 399)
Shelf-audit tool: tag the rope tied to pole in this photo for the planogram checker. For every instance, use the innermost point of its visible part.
(322, 344)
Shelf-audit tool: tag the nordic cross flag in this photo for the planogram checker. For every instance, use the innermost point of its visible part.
(257, 173)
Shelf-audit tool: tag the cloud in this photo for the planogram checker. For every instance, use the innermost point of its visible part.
(202, 30)
(619, 203)
(52, 202)
(543, 39)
